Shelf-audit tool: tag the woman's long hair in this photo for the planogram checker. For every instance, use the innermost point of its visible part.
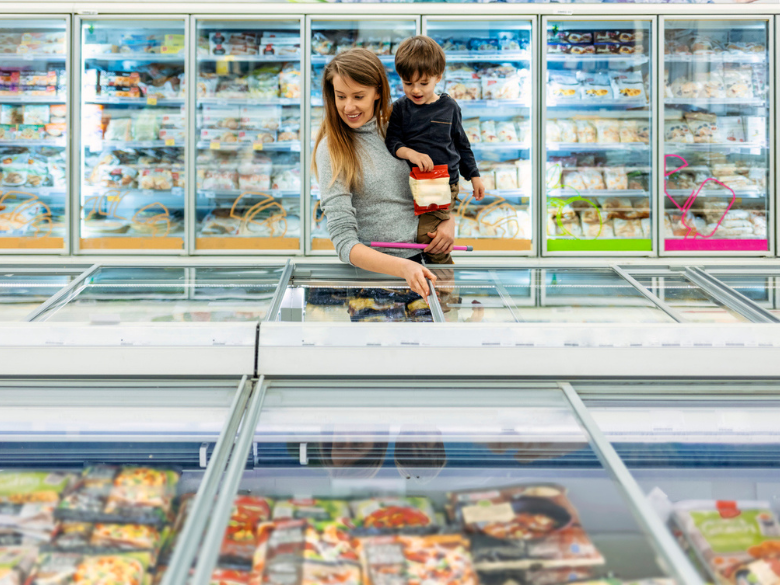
(363, 68)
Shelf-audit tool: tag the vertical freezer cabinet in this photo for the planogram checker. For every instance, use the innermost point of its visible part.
(718, 131)
(131, 177)
(329, 37)
(248, 134)
(491, 73)
(34, 134)
(598, 116)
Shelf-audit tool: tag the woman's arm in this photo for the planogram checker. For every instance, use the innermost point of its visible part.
(415, 274)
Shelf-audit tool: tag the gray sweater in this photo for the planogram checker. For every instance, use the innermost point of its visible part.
(382, 211)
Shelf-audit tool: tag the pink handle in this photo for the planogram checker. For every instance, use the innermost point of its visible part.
(415, 246)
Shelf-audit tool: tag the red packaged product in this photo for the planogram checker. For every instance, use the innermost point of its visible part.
(431, 190)
(240, 539)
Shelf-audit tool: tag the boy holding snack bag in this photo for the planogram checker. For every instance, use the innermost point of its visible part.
(426, 129)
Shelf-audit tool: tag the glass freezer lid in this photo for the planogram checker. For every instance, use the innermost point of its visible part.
(22, 290)
(165, 294)
(759, 285)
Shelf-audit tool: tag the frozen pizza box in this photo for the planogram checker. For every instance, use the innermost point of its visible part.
(735, 541)
(523, 527)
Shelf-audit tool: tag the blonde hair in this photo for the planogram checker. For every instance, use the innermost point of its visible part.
(364, 68)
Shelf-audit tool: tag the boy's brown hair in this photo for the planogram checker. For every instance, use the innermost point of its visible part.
(419, 56)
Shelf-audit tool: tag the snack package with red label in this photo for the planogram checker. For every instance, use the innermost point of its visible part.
(734, 541)
(239, 542)
(523, 527)
(391, 515)
(406, 560)
(431, 190)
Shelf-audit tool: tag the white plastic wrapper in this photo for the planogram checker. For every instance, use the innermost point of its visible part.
(472, 129)
(563, 86)
(586, 132)
(553, 131)
(488, 131)
(568, 131)
(629, 85)
(608, 131)
(507, 132)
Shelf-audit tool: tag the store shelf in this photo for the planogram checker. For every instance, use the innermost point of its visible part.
(721, 58)
(632, 193)
(43, 192)
(99, 145)
(595, 147)
(718, 193)
(248, 101)
(151, 57)
(325, 59)
(709, 146)
(500, 146)
(703, 102)
(248, 58)
(141, 101)
(284, 146)
(60, 143)
(11, 59)
(248, 193)
(585, 105)
(489, 56)
(33, 99)
(176, 192)
(629, 60)
(494, 103)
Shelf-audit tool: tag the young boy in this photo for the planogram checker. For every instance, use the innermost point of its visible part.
(426, 129)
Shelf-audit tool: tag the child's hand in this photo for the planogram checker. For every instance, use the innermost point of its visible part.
(479, 188)
(421, 160)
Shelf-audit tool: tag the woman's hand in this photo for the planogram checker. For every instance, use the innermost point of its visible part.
(443, 239)
(415, 275)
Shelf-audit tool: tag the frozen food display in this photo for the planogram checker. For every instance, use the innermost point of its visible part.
(716, 137)
(489, 72)
(329, 38)
(248, 163)
(133, 121)
(598, 137)
(33, 134)
(365, 305)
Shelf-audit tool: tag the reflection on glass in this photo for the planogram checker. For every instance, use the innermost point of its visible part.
(598, 136)
(21, 294)
(133, 120)
(489, 74)
(249, 135)
(759, 288)
(33, 134)
(331, 37)
(716, 128)
(369, 304)
(123, 295)
(691, 301)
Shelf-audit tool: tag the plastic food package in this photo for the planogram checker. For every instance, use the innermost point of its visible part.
(627, 229)
(286, 179)
(730, 129)
(677, 131)
(738, 82)
(430, 190)
(488, 131)
(501, 88)
(259, 118)
(586, 132)
(221, 117)
(464, 89)
(146, 126)
(553, 131)
(617, 208)
(488, 177)
(507, 132)
(595, 86)
(119, 129)
(573, 180)
(711, 85)
(615, 178)
(568, 131)
(472, 129)
(523, 129)
(321, 45)
(157, 179)
(69, 567)
(593, 179)
(35, 114)
(702, 126)
(755, 129)
(608, 130)
(290, 82)
(506, 178)
(263, 82)
(629, 131)
(564, 86)
(629, 85)
(682, 87)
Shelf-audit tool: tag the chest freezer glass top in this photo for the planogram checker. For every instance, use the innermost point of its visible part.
(160, 295)
(23, 291)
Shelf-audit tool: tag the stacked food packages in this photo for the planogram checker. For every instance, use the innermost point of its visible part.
(466, 82)
(716, 133)
(107, 41)
(731, 542)
(68, 528)
(33, 81)
(267, 82)
(249, 124)
(248, 43)
(338, 41)
(365, 305)
(146, 80)
(32, 43)
(33, 122)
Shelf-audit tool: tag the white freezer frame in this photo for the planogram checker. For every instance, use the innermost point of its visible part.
(567, 16)
(192, 138)
(771, 105)
(534, 63)
(306, 146)
(77, 161)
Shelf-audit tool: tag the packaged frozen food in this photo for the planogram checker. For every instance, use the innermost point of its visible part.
(119, 129)
(702, 126)
(573, 180)
(593, 179)
(730, 129)
(501, 88)
(564, 86)
(488, 131)
(595, 86)
(627, 228)
(568, 131)
(755, 129)
(254, 176)
(735, 541)
(628, 85)
(464, 89)
(586, 132)
(22, 487)
(682, 87)
(472, 129)
(711, 85)
(553, 131)
(316, 509)
(607, 130)
(321, 45)
(615, 178)
(506, 178)
(68, 567)
(394, 514)
(629, 131)
(10, 114)
(290, 82)
(677, 131)
(523, 527)
(217, 180)
(30, 132)
(738, 81)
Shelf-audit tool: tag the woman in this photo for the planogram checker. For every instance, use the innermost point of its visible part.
(365, 190)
